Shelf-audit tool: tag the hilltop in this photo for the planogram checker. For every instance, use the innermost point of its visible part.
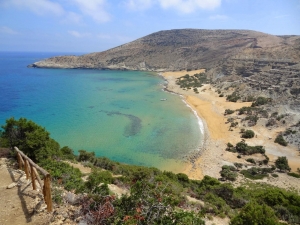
(185, 49)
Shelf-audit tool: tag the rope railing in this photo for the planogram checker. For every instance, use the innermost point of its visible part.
(31, 170)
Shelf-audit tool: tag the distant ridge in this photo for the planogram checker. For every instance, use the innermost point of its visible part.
(184, 49)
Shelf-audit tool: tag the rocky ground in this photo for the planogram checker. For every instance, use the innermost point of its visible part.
(20, 204)
(210, 107)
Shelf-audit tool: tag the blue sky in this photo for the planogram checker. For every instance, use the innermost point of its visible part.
(97, 25)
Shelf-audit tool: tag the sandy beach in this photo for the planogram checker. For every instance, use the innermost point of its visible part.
(210, 108)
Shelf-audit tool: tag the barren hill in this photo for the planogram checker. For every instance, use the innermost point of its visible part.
(185, 49)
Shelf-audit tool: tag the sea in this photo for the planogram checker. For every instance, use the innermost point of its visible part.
(116, 114)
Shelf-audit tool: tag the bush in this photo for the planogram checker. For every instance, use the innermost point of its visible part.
(271, 122)
(266, 160)
(250, 160)
(280, 140)
(238, 165)
(233, 97)
(255, 213)
(30, 138)
(228, 173)
(245, 110)
(243, 148)
(254, 173)
(282, 163)
(294, 175)
(252, 119)
(228, 111)
(260, 101)
(95, 179)
(85, 156)
(67, 153)
(64, 174)
(248, 134)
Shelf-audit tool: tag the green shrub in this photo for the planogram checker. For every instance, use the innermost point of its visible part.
(266, 160)
(260, 101)
(238, 165)
(57, 195)
(233, 97)
(234, 124)
(294, 175)
(255, 213)
(248, 134)
(243, 148)
(85, 156)
(64, 174)
(280, 140)
(245, 110)
(254, 173)
(282, 163)
(228, 173)
(252, 119)
(249, 98)
(67, 153)
(30, 138)
(228, 111)
(250, 160)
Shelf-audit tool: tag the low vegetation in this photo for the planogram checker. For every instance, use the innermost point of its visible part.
(228, 112)
(195, 81)
(261, 101)
(248, 134)
(280, 140)
(234, 97)
(156, 197)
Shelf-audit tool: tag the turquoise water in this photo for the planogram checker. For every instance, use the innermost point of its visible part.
(117, 114)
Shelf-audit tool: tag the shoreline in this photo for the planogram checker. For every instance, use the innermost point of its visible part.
(209, 107)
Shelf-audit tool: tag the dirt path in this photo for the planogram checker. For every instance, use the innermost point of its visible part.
(19, 203)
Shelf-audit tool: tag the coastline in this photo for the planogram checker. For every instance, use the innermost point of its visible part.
(209, 107)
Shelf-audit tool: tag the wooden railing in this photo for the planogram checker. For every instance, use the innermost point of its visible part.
(31, 171)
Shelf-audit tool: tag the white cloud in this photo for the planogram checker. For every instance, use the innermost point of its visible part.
(72, 17)
(39, 7)
(78, 34)
(189, 6)
(7, 30)
(103, 36)
(94, 8)
(182, 6)
(138, 4)
(218, 17)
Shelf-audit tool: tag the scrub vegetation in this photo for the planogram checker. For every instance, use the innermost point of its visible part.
(156, 197)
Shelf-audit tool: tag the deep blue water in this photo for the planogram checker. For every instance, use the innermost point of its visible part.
(117, 114)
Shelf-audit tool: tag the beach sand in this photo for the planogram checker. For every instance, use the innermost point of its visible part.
(210, 108)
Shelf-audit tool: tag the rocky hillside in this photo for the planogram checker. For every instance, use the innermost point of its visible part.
(185, 49)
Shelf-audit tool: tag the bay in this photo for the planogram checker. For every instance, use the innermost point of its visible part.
(116, 114)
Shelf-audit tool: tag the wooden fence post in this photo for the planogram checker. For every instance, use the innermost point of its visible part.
(26, 168)
(19, 160)
(47, 192)
(33, 177)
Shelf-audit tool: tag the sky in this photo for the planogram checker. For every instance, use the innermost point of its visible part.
(85, 26)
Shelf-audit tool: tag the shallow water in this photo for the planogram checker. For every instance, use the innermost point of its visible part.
(117, 114)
